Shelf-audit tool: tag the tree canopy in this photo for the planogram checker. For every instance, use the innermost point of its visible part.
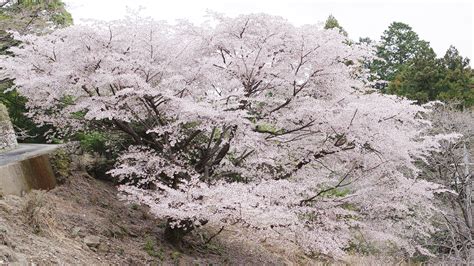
(253, 122)
(412, 69)
(398, 45)
(331, 23)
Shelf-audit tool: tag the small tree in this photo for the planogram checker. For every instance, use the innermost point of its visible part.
(331, 23)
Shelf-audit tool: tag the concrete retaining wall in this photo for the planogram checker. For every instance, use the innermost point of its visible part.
(22, 167)
(26, 168)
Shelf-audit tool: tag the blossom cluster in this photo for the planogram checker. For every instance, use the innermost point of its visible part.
(248, 121)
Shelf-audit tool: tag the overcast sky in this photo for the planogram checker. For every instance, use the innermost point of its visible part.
(442, 23)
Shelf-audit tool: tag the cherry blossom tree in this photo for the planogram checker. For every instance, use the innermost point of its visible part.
(246, 121)
(452, 166)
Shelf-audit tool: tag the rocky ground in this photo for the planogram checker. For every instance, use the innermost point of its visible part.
(83, 222)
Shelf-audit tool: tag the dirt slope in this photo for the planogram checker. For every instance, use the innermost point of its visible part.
(83, 222)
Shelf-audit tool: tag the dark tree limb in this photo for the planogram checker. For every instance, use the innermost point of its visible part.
(214, 235)
(338, 185)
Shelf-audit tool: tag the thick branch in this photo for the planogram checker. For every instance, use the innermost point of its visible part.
(338, 185)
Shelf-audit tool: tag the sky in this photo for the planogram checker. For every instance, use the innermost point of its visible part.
(441, 22)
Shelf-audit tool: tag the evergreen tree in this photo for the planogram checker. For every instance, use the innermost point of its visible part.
(331, 23)
(426, 78)
(417, 78)
(399, 44)
(456, 81)
(365, 40)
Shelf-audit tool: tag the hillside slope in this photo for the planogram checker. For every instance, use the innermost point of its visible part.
(83, 222)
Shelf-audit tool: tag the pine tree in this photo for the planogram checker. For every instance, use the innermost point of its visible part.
(331, 23)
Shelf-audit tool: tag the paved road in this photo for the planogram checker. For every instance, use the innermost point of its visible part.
(24, 151)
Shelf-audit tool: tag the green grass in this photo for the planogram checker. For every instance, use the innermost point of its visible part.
(175, 256)
(149, 248)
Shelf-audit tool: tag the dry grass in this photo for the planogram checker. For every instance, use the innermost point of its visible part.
(39, 214)
(50, 227)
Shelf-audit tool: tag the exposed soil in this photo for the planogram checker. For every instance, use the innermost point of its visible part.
(83, 222)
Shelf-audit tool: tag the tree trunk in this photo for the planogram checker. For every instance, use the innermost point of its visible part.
(175, 230)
